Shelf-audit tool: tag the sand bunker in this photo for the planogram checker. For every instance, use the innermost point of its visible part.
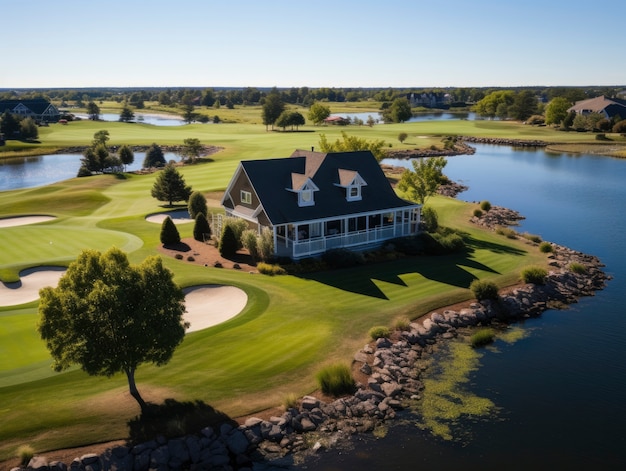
(31, 281)
(178, 217)
(24, 220)
(209, 305)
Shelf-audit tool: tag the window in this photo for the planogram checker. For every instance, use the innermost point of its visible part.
(354, 193)
(305, 197)
(246, 197)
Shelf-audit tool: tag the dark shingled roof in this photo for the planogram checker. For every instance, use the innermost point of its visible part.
(272, 179)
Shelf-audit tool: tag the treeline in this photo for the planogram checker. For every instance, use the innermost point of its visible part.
(305, 96)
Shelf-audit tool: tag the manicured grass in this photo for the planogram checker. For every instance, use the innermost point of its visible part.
(271, 350)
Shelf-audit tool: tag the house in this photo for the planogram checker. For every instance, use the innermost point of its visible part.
(39, 109)
(337, 120)
(608, 107)
(313, 202)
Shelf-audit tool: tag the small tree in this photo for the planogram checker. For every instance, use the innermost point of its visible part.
(402, 137)
(422, 183)
(126, 115)
(191, 149)
(28, 129)
(197, 204)
(109, 316)
(201, 228)
(170, 186)
(228, 242)
(169, 232)
(430, 219)
(126, 155)
(318, 113)
(265, 244)
(154, 157)
(93, 111)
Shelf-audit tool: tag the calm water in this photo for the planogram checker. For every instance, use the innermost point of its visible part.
(418, 117)
(154, 119)
(28, 172)
(561, 391)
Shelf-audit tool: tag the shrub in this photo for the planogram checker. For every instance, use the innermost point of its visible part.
(290, 401)
(534, 275)
(545, 247)
(190, 258)
(485, 205)
(478, 213)
(404, 324)
(178, 256)
(430, 219)
(249, 239)
(169, 232)
(25, 453)
(482, 337)
(531, 237)
(228, 243)
(444, 242)
(506, 231)
(601, 137)
(201, 228)
(237, 225)
(336, 380)
(379, 332)
(197, 205)
(265, 244)
(410, 245)
(620, 127)
(402, 136)
(484, 289)
(342, 258)
(578, 268)
(270, 269)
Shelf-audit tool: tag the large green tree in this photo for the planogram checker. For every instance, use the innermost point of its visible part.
(127, 115)
(93, 111)
(399, 111)
(353, 143)
(318, 112)
(127, 156)
(154, 157)
(170, 186)
(109, 316)
(524, 105)
(423, 181)
(272, 108)
(556, 111)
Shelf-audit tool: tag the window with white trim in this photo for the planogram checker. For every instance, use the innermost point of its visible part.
(246, 197)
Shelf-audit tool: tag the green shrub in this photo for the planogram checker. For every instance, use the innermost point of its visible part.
(178, 256)
(270, 269)
(484, 289)
(410, 245)
(478, 213)
(342, 258)
(191, 258)
(336, 380)
(197, 204)
(445, 242)
(290, 401)
(403, 323)
(485, 205)
(402, 136)
(249, 239)
(228, 242)
(265, 244)
(169, 232)
(506, 231)
(379, 332)
(534, 275)
(578, 268)
(25, 453)
(545, 247)
(482, 337)
(531, 237)
(430, 219)
(201, 228)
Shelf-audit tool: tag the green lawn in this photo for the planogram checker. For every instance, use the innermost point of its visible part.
(291, 326)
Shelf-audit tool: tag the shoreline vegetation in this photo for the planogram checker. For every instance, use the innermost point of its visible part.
(116, 207)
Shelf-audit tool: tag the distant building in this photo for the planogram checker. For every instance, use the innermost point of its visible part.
(430, 100)
(608, 107)
(338, 120)
(39, 109)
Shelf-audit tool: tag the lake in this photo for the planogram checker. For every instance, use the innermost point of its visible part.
(439, 116)
(29, 172)
(147, 118)
(560, 391)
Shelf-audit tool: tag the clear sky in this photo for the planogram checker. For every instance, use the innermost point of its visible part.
(320, 43)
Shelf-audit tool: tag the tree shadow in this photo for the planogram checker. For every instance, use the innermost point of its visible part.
(175, 419)
(450, 269)
(179, 247)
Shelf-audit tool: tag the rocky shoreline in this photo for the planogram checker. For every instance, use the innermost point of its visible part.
(389, 378)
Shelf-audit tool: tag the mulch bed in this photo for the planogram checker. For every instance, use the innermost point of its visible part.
(206, 254)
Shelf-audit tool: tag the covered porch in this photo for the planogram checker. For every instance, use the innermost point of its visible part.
(310, 238)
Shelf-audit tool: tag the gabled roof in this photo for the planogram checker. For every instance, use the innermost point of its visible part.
(36, 105)
(272, 179)
(612, 106)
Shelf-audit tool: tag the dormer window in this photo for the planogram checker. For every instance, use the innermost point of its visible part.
(352, 182)
(305, 188)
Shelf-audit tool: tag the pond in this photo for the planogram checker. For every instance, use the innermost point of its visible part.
(29, 172)
(147, 118)
(439, 116)
(559, 388)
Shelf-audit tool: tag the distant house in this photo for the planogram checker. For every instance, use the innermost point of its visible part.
(608, 107)
(39, 109)
(337, 120)
(313, 202)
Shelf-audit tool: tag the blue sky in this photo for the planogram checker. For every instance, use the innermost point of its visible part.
(321, 43)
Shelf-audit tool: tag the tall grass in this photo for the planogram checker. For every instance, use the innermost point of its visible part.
(336, 380)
